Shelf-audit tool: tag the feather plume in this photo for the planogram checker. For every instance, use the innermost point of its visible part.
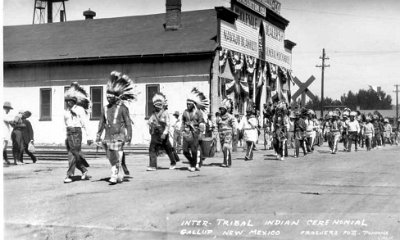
(78, 94)
(227, 103)
(199, 99)
(121, 86)
(159, 99)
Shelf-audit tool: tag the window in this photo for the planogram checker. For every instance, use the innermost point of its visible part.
(96, 97)
(45, 104)
(151, 89)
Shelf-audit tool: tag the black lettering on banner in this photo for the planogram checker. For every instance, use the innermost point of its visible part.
(239, 40)
(247, 18)
(277, 55)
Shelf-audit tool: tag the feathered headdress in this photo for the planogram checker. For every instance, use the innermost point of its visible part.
(226, 103)
(77, 94)
(121, 86)
(159, 100)
(199, 99)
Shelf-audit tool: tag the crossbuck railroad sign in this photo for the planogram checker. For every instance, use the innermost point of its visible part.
(303, 90)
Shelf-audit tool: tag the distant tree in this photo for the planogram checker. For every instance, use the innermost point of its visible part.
(316, 103)
(367, 100)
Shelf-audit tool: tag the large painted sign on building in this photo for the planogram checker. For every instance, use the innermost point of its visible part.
(275, 47)
(239, 37)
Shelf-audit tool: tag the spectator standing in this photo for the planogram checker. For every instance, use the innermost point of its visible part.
(6, 129)
(28, 135)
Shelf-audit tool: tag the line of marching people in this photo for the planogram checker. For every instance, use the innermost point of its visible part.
(300, 129)
(360, 130)
(194, 131)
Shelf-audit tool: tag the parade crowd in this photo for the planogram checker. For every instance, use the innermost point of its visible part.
(195, 132)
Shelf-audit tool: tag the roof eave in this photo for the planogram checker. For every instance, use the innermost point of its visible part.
(101, 58)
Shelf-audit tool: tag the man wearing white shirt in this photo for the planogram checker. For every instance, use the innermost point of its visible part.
(75, 120)
(7, 118)
(353, 129)
(249, 125)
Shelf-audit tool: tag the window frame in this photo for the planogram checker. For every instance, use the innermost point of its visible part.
(101, 102)
(42, 117)
(148, 113)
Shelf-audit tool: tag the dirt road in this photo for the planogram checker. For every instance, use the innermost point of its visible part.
(262, 196)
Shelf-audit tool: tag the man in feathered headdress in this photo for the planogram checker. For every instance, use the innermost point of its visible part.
(227, 130)
(116, 122)
(159, 128)
(75, 118)
(192, 117)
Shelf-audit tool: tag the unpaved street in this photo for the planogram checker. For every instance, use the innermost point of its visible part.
(152, 205)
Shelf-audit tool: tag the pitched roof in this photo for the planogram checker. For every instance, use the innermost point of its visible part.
(111, 37)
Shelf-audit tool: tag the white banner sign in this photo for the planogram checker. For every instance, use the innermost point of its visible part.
(239, 37)
(275, 46)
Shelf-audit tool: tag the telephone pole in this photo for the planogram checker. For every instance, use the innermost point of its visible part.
(397, 105)
(322, 66)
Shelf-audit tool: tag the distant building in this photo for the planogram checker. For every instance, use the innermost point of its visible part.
(239, 53)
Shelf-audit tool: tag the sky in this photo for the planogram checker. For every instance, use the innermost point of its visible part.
(360, 37)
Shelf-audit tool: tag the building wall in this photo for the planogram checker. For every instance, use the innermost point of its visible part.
(22, 86)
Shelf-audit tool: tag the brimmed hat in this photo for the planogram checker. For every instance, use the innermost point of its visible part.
(329, 115)
(353, 114)
(176, 113)
(7, 104)
(386, 120)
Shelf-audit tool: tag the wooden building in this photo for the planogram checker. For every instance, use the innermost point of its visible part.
(171, 53)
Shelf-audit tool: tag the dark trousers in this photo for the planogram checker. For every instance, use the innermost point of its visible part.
(123, 164)
(352, 138)
(190, 150)
(300, 143)
(278, 146)
(30, 154)
(368, 142)
(309, 144)
(75, 158)
(156, 144)
(17, 144)
(5, 157)
(250, 147)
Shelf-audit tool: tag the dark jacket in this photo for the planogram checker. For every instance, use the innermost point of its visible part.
(118, 125)
(300, 128)
(27, 132)
(192, 120)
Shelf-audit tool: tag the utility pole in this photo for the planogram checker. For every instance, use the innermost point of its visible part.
(322, 66)
(397, 105)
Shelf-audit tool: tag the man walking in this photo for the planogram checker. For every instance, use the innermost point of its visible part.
(227, 130)
(6, 129)
(192, 117)
(27, 135)
(75, 118)
(159, 130)
(116, 123)
(353, 128)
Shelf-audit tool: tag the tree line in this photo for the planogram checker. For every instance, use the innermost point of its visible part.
(365, 99)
